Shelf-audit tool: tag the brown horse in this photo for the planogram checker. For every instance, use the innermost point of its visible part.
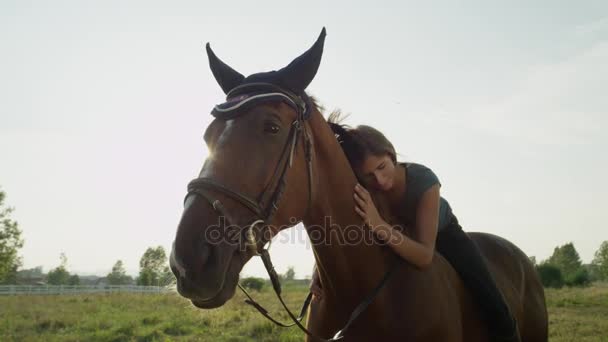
(275, 162)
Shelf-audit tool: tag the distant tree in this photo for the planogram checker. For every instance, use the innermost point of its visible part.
(167, 277)
(593, 271)
(35, 272)
(60, 274)
(533, 260)
(579, 278)
(74, 280)
(550, 275)
(118, 276)
(253, 283)
(10, 243)
(64, 260)
(30, 276)
(601, 261)
(153, 267)
(147, 278)
(290, 274)
(566, 258)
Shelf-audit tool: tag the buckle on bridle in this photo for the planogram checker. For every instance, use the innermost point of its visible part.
(251, 241)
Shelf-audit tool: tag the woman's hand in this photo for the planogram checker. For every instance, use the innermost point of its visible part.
(315, 286)
(316, 291)
(364, 206)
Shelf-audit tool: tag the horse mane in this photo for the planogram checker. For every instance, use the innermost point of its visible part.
(335, 119)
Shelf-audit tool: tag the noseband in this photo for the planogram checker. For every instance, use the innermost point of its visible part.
(267, 203)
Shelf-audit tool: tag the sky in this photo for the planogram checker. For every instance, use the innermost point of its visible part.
(103, 105)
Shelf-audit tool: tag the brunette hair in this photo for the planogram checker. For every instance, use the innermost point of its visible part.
(361, 141)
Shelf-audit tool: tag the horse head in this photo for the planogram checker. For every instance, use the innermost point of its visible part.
(256, 181)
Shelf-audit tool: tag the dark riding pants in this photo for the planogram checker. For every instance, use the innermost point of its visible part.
(463, 254)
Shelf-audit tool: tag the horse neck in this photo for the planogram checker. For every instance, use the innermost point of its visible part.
(346, 270)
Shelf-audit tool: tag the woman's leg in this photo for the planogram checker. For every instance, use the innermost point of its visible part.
(463, 254)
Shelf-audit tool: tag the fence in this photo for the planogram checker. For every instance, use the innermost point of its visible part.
(14, 290)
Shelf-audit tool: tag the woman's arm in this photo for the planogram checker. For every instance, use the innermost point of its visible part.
(421, 250)
(418, 251)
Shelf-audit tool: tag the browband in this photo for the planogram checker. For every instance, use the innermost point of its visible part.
(247, 95)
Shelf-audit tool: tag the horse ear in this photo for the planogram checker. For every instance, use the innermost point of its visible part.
(225, 76)
(301, 71)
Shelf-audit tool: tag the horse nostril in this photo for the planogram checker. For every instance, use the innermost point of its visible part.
(178, 270)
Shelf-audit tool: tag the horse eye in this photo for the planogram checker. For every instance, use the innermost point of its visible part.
(271, 128)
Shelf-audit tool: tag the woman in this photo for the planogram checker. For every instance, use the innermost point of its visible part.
(413, 193)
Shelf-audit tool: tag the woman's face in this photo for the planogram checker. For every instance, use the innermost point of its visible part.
(378, 172)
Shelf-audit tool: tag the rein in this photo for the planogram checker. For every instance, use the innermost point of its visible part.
(266, 204)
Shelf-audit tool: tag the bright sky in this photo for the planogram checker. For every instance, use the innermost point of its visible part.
(103, 105)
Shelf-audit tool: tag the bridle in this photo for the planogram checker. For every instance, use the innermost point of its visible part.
(266, 204)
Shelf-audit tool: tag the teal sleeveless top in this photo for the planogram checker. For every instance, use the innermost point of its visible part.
(419, 179)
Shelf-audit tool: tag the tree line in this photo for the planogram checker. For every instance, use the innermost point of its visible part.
(256, 283)
(153, 271)
(563, 268)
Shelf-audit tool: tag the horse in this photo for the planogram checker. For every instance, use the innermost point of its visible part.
(274, 162)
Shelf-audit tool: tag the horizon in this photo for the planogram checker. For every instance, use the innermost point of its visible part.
(103, 107)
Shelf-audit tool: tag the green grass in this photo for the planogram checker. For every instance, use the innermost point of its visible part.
(578, 314)
(141, 317)
(575, 315)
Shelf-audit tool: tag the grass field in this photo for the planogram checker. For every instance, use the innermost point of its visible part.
(575, 315)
